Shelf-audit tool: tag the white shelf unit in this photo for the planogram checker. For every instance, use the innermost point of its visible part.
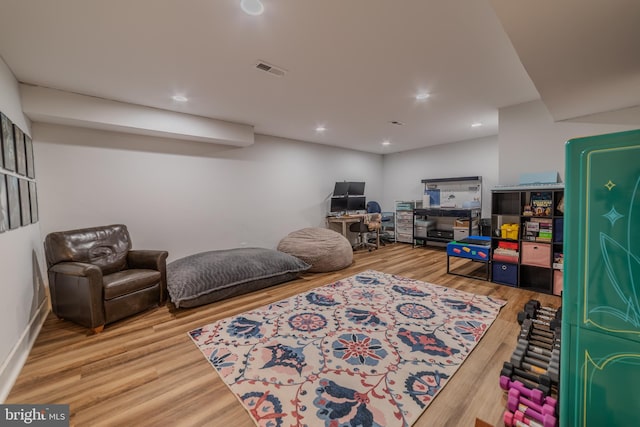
(404, 220)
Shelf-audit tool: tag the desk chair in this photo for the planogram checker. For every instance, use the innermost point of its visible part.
(387, 227)
(381, 238)
(370, 223)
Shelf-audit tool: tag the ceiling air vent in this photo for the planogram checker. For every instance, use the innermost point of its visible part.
(272, 69)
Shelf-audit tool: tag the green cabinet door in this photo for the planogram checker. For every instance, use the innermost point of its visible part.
(606, 371)
(601, 298)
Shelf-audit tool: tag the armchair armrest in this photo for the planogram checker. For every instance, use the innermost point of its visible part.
(80, 269)
(77, 293)
(153, 260)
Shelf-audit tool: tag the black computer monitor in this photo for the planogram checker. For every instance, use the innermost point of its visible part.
(341, 189)
(356, 188)
(338, 204)
(357, 203)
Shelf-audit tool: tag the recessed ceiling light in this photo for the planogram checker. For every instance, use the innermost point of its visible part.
(385, 143)
(179, 98)
(252, 7)
(422, 96)
(321, 129)
(476, 125)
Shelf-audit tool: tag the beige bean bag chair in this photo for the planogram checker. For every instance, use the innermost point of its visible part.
(323, 249)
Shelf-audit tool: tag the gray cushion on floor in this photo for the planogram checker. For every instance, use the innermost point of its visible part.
(206, 277)
(324, 249)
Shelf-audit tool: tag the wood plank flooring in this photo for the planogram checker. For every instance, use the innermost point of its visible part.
(145, 371)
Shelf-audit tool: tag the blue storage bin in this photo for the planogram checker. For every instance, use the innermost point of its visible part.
(558, 228)
(505, 273)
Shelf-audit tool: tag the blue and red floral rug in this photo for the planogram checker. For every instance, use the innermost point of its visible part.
(373, 349)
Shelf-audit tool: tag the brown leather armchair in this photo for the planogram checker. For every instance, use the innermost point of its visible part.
(95, 278)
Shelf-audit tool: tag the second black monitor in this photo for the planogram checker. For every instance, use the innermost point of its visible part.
(356, 188)
(356, 203)
(348, 188)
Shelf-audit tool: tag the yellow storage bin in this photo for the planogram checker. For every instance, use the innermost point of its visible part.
(509, 231)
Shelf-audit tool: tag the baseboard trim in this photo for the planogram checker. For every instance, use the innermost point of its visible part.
(12, 366)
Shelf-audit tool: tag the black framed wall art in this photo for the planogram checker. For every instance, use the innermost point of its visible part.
(4, 208)
(28, 145)
(21, 158)
(25, 204)
(13, 199)
(18, 195)
(8, 146)
(33, 199)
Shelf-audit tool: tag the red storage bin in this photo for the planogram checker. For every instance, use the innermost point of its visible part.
(536, 254)
(508, 245)
(505, 258)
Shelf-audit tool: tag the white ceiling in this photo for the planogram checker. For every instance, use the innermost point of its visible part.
(352, 65)
(583, 55)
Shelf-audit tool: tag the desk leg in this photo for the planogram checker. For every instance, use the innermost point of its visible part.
(344, 229)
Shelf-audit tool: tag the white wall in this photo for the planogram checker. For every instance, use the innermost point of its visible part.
(403, 172)
(21, 266)
(530, 141)
(187, 197)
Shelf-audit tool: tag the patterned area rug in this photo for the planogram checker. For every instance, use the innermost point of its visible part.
(370, 350)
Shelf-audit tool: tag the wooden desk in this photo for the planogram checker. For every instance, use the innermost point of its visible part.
(350, 219)
(344, 220)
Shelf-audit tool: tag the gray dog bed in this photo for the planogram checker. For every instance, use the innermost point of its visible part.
(211, 276)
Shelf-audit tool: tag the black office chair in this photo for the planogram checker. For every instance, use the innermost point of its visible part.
(368, 224)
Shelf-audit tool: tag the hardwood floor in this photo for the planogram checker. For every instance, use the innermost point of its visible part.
(145, 370)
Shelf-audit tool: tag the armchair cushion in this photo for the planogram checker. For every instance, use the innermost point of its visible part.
(127, 281)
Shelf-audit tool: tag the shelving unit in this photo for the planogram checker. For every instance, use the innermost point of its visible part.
(404, 220)
(530, 221)
(451, 210)
(440, 226)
